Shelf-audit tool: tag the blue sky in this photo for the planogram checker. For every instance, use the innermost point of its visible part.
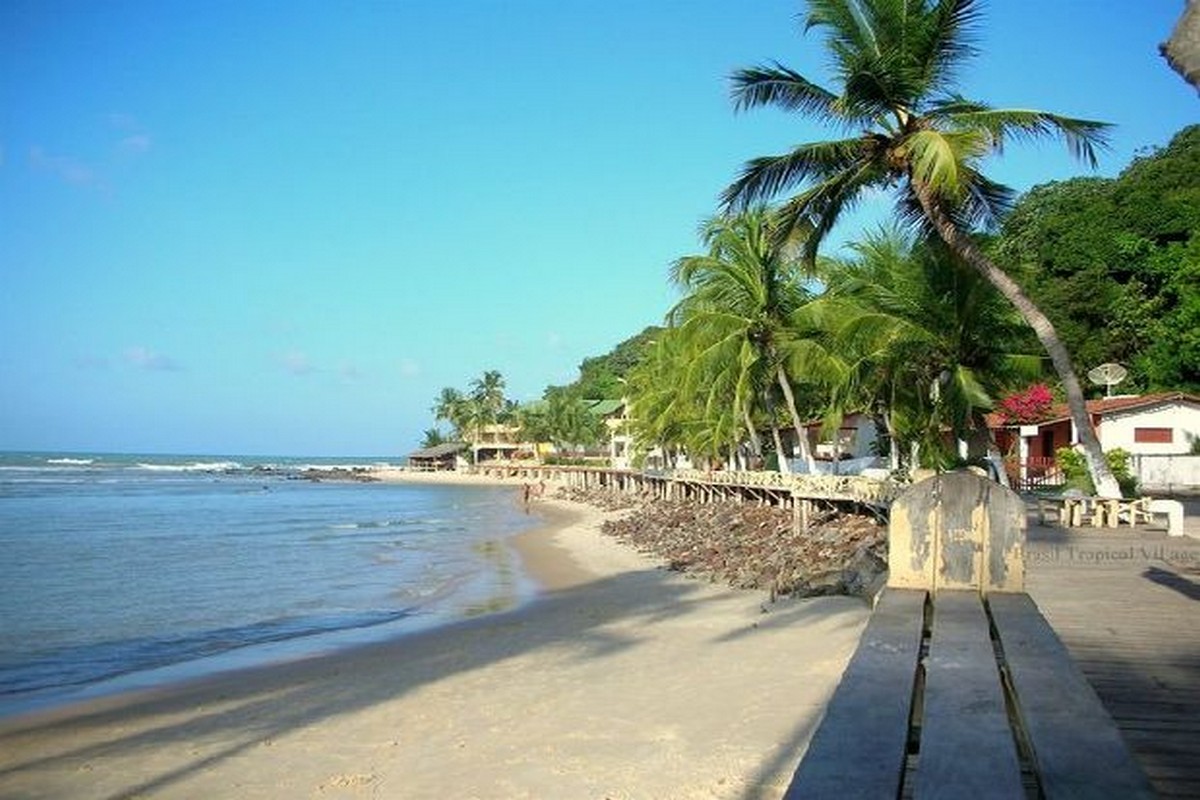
(281, 228)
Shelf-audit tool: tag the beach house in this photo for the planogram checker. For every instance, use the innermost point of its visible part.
(1159, 431)
(438, 458)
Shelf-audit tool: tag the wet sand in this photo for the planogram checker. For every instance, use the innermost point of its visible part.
(623, 680)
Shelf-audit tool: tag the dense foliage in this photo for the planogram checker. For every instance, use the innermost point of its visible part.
(894, 89)
(902, 331)
(1115, 263)
(602, 377)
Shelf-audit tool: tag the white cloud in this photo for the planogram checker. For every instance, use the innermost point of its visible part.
(147, 359)
(64, 167)
(123, 122)
(136, 138)
(137, 143)
(409, 368)
(296, 362)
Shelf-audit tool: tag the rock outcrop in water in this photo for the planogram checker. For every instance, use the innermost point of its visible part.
(749, 546)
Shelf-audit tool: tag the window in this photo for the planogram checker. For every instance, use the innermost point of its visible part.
(1153, 435)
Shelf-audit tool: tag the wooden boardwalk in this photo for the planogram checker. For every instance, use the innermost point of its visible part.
(1127, 605)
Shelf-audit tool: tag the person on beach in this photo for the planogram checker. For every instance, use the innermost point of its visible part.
(526, 490)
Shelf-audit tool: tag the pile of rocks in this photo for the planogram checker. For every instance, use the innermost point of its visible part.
(751, 546)
(600, 498)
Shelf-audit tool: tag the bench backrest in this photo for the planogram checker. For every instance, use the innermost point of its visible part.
(957, 530)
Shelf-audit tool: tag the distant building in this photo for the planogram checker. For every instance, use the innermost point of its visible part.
(1152, 424)
(615, 414)
(854, 438)
(496, 441)
(1155, 429)
(440, 457)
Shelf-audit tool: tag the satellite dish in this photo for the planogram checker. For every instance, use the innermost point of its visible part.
(1108, 376)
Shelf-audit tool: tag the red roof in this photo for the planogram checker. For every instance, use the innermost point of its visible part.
(1102, 407)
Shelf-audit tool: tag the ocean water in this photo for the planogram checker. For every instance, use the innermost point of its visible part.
(119, 572)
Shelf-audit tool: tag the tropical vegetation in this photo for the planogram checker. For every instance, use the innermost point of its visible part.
(1115, 263)
(564, 417)
(896, 65)
(916, 324)
(929, 345)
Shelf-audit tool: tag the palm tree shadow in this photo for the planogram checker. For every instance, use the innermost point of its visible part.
(252, 708)
(1186, 587)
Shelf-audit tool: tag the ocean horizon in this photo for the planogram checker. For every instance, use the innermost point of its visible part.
(123, 571)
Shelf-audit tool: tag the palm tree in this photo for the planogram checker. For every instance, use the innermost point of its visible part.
(658, 409)
(562, 418)
(896, 62)
(926, 340)
(738, 306)
(451, 406)
(432, 438)
(488, 392)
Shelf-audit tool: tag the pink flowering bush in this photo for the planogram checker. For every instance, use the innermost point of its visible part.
(1030, 405)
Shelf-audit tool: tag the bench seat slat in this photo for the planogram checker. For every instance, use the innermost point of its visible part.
(967, 747)
(859, 749)
(1076, 745)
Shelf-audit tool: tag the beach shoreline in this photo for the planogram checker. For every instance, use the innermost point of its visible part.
(621, 679)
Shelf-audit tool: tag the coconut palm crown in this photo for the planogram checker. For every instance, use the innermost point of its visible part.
(738, 309)
(896, 62)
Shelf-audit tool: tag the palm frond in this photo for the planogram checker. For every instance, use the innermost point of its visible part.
(817, 209)
(764, 177)
(938, 160)
(948, 41)
(985, 203)
(843, 23)
(1083, 137)
(776, 85)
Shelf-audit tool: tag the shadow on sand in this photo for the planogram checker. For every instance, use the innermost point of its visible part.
(251, 708)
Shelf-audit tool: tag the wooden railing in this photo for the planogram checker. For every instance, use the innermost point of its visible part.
(773, 488)
(1034, 474)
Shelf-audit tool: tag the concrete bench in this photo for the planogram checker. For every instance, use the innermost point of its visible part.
(961, 689)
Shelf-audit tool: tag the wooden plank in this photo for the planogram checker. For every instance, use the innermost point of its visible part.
(858, 751)
(1077, 748)
(967, 748)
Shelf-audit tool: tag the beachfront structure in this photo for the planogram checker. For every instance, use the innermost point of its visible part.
(496, 441)
(849, 448)
(1158, 430)
(439, 458)
(855, 438)
(615, 414)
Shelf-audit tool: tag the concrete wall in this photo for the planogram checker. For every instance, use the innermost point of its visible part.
(1183, 418)
(856, 437)
(1167, 473)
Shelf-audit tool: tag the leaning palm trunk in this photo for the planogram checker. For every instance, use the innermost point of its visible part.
(797, 423)
(893, 442)
(1182, 50)
(755, 442)
(784, 466)
(1106, 484)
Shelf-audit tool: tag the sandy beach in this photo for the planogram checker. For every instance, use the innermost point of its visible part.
(623, 680)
